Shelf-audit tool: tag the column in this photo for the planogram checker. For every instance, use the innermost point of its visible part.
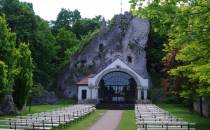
(139, 93)
(91, 93)
(96, 93)
(145, 94)
(91, 89)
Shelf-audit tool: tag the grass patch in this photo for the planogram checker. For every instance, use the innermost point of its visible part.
(48, 107)
(87, 121)
(127, 121)
(202, 123)
(42, 108)
(35, 109)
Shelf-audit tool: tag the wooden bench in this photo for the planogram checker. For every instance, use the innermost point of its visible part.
(48, 120)
(151, 117)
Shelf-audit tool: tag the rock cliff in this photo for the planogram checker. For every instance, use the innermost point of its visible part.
(125, 37)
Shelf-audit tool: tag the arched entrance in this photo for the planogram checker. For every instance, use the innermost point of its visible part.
(117, 87)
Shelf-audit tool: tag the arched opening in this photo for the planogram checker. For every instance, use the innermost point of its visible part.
(117, 87)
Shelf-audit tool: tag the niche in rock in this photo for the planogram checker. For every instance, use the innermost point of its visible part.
(129, 59)
(101, 47)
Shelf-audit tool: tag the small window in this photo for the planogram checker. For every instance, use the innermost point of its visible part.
(101, 47)
(129, 59)
(84, 94)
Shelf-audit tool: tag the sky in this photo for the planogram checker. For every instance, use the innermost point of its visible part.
(48, 9)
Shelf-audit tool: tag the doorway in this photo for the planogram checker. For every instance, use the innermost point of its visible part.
(117, 87)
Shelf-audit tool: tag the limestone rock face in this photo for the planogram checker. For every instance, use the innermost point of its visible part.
(124, 38)
(8, 106)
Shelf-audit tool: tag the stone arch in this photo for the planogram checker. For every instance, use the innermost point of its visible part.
(133, 75)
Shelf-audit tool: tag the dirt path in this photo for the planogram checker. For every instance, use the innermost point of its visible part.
(109, 121)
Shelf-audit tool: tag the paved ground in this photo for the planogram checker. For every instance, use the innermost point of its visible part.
(109, 121)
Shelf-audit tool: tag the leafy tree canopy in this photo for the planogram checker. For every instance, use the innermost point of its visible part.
(72, 20)
(8, 55)
(16, 66)
(24, 80)
(186, 25)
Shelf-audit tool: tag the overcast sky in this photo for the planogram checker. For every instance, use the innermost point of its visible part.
(48, 9)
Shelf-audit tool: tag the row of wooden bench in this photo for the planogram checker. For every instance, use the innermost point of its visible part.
(58, 118)
(151, 117)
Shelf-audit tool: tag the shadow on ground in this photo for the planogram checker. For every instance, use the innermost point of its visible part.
(115, 106)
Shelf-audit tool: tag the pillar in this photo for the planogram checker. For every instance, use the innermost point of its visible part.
(91, 93)
(145, 94)
(96, 93)
(139, 94)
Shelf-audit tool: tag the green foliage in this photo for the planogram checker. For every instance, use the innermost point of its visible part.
(49, 52)
(24, 80)
(31, 29)
(192, 39)
(83, 26)
(66, 19)
(186, 27)
(8, 54)
(66, 39)
(15, 65)
(72, 21)
(37, 90)
(87, 38)
(180, 111)
(21, 19)
(3, 78)
(44, 50)
(67, 43)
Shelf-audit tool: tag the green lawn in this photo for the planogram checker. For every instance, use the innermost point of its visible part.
(202, 123)
(87, 121)
(36, 109)
(43, 108)
(80, 125)
(127, 121)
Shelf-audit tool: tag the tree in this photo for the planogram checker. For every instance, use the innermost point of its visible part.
(24, 80)
(44, 51)
(186, 26)
(66, 19)
(49, 52)
(35, 31)
(85, 25)
(4, 86)
(21, 19)
(72, 21)
(15, 66)
(68, 43)
(8, 55)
